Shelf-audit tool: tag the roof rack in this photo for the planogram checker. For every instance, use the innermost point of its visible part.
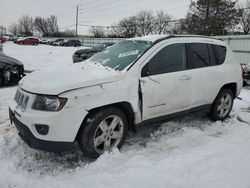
(180, 36)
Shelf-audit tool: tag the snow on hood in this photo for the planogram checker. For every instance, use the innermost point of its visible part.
(56, 81)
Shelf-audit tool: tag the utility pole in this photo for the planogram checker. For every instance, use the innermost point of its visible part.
(76, 18)
(77, 14)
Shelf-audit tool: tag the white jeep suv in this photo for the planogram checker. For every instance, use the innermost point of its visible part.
(134, 82)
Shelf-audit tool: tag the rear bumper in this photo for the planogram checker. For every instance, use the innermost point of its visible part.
(27, 136)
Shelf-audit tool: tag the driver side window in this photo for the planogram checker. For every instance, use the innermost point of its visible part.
(171, 58)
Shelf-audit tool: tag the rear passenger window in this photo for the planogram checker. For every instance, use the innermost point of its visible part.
(221, 54)
(200, 55)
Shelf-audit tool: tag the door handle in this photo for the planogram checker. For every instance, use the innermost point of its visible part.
(186, 77)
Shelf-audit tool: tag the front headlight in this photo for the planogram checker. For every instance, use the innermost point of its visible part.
(48, 103)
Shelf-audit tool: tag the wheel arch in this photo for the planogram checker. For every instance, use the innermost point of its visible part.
(232, 86)
(125, 107)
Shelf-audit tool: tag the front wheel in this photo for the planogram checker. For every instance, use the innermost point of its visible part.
(104, 130)
(222, 105)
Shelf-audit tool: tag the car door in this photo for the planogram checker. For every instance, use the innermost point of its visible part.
(29, 41)
(206, 73)
(26, 41)
(165, 82)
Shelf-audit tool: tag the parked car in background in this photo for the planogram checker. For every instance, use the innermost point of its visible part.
(246, 74)
(11, 70)
(83, 54)
(47, 41)
(136, 82)
(2, 40)
(61, 42)
(7, 37)
(72, 42)
(57, 42)
(28, 41)
(43, 41)
(16, 38)
(51, 41)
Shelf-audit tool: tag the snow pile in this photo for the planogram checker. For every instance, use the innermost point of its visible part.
(190, 152)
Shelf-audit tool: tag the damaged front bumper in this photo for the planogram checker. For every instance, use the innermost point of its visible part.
(27, 136)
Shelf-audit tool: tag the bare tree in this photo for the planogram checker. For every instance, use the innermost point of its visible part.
(128, 27)
(245, 19)
(26, 25)
(116, 31)
(145, 22)
(52, 25)
(97, 31)
(162, 22)
(41, 25)
(141, 24)
(14, 29)
(47, 26)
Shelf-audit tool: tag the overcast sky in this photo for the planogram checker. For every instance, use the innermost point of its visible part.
(92, 12)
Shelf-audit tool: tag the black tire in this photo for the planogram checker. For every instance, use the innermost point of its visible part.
(88, 130)
(214, 113)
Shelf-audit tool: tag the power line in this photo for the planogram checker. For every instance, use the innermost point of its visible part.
(89, 2)
(64, 11)
(69, 26)
(112, 7)
(66, 14)
(113, 26)
(105, 6)
(106, 15)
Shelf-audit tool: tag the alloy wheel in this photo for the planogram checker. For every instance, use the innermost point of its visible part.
(108, 134)
(224, 105)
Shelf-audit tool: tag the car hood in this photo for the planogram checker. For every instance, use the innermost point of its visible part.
(9, 60)
(54, 82)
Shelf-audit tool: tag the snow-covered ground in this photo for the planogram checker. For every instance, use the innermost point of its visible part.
(190, 152)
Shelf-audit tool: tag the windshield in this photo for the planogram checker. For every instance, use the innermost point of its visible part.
(122, 54)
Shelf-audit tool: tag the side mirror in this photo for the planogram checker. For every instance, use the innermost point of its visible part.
(145, 71)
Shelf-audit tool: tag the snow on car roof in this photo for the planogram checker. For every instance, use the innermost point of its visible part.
(151, 38)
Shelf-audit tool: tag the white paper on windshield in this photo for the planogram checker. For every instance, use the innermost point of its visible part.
(130, 53)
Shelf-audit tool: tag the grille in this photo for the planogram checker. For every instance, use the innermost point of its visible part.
(21, 100)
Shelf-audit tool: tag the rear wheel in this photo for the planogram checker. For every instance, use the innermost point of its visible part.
(222, 105)
(104, 130)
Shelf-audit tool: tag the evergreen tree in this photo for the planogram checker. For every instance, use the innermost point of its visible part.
(211, 17)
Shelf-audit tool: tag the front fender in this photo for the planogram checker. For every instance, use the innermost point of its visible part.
(124, 90)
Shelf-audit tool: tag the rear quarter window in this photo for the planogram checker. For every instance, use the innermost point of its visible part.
(200, 55)
(221, 52)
